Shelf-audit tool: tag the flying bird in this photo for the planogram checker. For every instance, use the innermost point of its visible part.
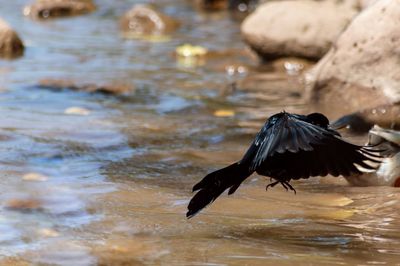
(288, 146)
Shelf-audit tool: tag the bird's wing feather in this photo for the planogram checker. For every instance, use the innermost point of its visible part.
(286, 134)
(334, 156)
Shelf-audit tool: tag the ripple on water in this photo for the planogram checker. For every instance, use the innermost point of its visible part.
(63, 252)
(10, 239)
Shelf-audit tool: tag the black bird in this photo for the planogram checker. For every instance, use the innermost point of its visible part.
(289, 146)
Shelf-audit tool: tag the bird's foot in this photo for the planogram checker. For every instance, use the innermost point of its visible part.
(288, 186)
(285, 184)
(271, 185)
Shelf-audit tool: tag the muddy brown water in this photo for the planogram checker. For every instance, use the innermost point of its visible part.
(115, 182)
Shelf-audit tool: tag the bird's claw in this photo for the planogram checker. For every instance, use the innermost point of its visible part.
(271, 185)
(285, 184)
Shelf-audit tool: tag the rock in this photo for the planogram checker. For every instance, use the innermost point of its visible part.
(45, 9)
(60, 84)
(75, 110)
(387, 116)
(34, 177)
(48, 232)
(211, 5)
(296, 28)
(144, 20)
(361, 71)
(10, 44)
(233, 5)
(24, 205)
(366, 3)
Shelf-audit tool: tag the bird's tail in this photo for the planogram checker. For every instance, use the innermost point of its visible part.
(214, 184)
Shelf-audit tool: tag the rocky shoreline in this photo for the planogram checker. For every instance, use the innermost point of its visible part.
(353, 43)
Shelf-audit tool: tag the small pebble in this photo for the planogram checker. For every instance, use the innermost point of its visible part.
(224, 113)
(48, 232)
(34, 177)
(76, 111)
(188, 50)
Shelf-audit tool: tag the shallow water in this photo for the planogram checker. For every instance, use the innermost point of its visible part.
(114, 184)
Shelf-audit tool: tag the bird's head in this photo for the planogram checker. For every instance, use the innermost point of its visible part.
(319, 120)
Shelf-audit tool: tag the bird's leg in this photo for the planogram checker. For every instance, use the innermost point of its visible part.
(271, 185)
(283, 185)
(288, 186)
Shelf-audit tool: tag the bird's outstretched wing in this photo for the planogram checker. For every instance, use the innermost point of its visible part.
(290, 147)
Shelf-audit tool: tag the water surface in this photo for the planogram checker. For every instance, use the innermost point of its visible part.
(114, 184)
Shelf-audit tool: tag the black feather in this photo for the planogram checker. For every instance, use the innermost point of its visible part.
(214, 184)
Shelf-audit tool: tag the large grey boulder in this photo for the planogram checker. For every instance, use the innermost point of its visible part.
(362, 70)
(11, 45)
(297, 28)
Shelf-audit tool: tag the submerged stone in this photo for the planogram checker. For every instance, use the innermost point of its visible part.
(45, 9)
(211, 5)
(144, 20)
(75, 110)
(24, 205)
(11, 45)
(233, 5)
(60, 84)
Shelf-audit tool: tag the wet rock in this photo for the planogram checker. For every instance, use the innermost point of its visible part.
(75, 110)
(45, 9)
(144, 20)
(211, 5)
(296, 28)
(34, 177)
(361, 71)
(60, 84)
(24, 205)
(48, 232)
(387, 116)
(234, 5)
(10, 44)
